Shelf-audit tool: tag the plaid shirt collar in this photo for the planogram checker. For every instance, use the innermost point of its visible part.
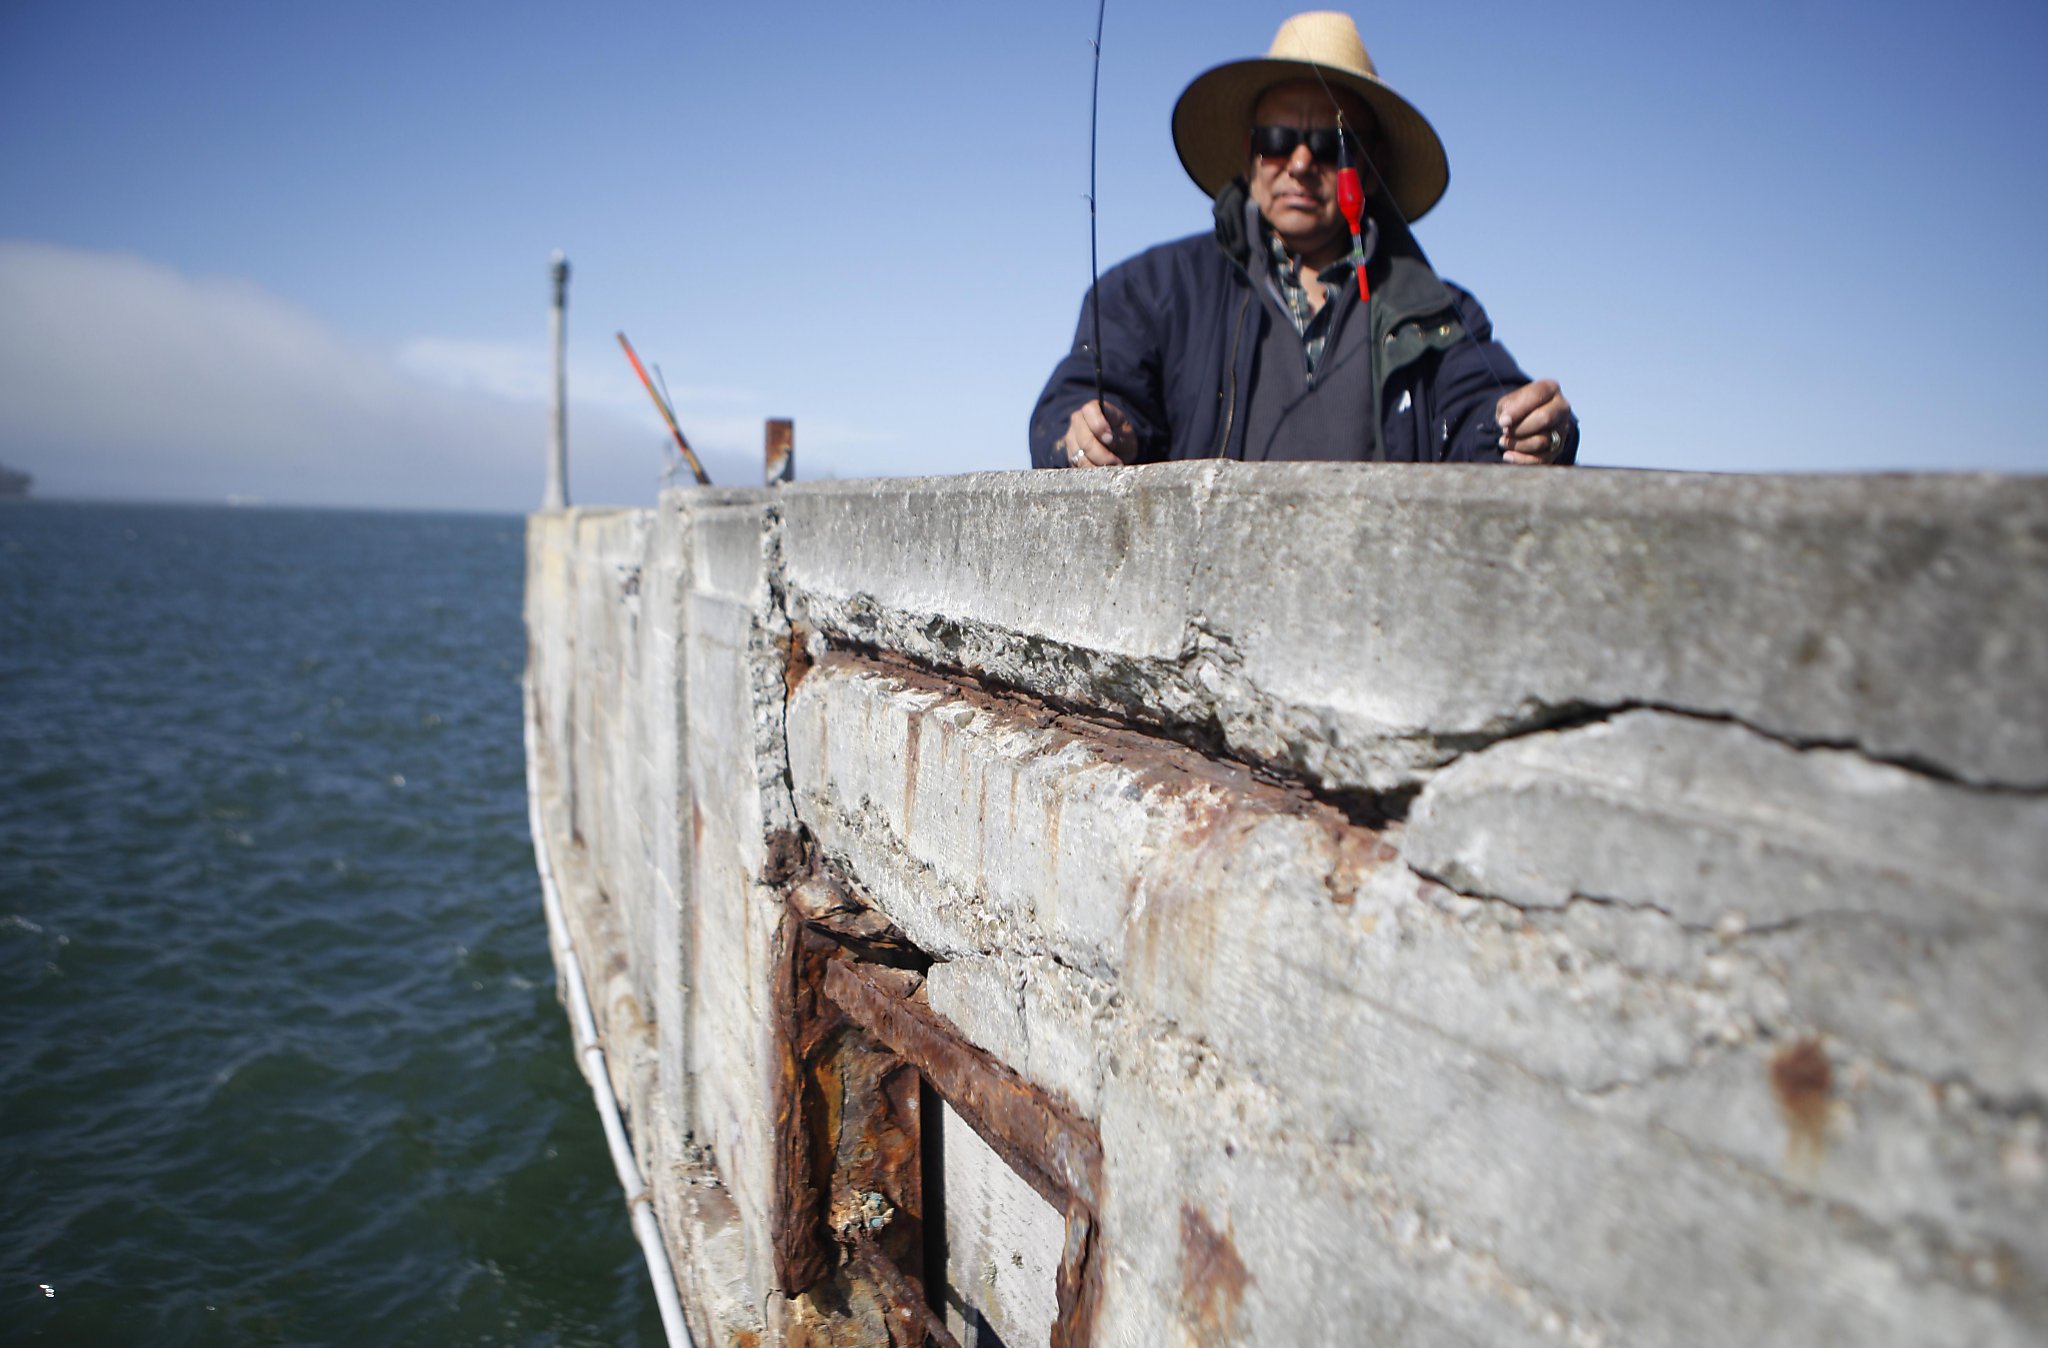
(1312, 324)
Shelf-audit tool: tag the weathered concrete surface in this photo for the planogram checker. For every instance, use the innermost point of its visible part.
(1286, 1020)
(1472, 907)
(619, 631)
(1361, 625)
(733, 917)
(1003, 1243)
(1915, 909)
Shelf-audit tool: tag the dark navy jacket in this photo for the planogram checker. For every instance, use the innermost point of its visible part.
(1184, 328)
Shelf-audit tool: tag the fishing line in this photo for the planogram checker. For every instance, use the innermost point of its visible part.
(1095, 267)
(1386, 195)
(668, 464)
(662, 380)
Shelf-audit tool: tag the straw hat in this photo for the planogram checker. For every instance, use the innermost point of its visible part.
(1210, 121)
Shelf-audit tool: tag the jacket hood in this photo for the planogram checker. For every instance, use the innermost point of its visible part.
(1230, 227)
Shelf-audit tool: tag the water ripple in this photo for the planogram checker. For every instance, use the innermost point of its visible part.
(280, 1060)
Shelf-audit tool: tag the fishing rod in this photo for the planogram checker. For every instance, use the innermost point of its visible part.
(1351, 202)
(1094, 266)
(668, 415)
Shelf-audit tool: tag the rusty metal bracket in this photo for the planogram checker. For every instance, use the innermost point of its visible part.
(796, 1228)
(1055, 1151)
(852, 1045)
(1056, 1154)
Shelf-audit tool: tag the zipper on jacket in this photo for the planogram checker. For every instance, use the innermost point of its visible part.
(1230, 405)
(1330, 303)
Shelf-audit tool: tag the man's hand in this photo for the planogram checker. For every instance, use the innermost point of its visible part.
(1095, 433)
(1533, 421)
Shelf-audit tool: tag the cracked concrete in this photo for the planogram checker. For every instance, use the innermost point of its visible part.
(1381, 621)
(1893, 909)
(1589, 1005)
(1719, 825)
(1475, 908)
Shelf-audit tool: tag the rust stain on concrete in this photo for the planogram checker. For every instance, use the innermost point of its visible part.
(1220, 799)
(1212, 1277)
(1052, 827)
(1360, 852)
(981, 835)
(913, 734)
(1804, 1084)
(796, 659)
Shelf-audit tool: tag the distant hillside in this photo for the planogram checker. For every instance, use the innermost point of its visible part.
(13, 484)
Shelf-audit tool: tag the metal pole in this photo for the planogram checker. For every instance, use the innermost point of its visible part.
(779, 460)
(557, 496)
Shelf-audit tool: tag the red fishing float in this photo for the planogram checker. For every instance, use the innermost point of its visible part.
(1351, 201)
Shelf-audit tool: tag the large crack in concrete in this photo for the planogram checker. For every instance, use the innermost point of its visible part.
(1725, 932)
(973, 929)
(1377, 809)
(1545, 718)
(1729, 940)
(772, 681)
(1201, 697)
(1202, 700)
(1089, 688)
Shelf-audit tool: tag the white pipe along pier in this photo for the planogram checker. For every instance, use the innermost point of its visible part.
(590, 1055)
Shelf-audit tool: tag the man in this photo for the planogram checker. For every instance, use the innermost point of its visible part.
(1261, 341)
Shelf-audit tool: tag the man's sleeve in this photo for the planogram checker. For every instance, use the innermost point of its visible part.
(1470, 381)
(1131, 373)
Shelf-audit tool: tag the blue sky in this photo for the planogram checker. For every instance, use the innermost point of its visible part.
(300, 251)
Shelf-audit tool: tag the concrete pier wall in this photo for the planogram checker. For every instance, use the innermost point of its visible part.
(1306, 904)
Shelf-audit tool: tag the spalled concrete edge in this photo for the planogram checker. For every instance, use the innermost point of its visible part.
(736, 796)
(1362, 626)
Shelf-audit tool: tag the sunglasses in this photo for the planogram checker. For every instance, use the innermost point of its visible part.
(1325, 143)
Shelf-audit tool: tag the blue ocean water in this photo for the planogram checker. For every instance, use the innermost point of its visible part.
(280, 1059)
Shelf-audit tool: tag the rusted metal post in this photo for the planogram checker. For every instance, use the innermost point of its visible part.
(780, 461)
(557, 495)
(1053, 1152)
